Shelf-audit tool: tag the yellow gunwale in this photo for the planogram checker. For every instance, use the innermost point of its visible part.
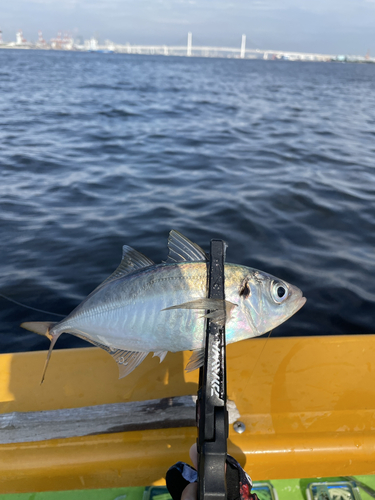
(308, 404)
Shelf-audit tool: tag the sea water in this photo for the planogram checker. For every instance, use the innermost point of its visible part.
(100, 150)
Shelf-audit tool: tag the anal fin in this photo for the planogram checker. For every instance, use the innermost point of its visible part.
(161, 354)
(126, 361)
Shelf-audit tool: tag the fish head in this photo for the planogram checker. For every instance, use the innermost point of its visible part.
(268, 301)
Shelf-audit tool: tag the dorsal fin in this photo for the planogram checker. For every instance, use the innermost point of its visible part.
(131, 261)
(181, 249)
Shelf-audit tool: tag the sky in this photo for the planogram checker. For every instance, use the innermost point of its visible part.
(320, 26)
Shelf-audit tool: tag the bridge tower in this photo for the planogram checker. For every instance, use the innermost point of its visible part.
(243, 46)
(189, 44)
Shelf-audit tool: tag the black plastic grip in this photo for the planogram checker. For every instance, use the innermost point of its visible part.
(212, 415)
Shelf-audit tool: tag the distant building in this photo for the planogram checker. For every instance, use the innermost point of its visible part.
(20, 40)
(91, 45)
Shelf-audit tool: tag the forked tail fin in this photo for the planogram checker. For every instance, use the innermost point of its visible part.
(43, 328)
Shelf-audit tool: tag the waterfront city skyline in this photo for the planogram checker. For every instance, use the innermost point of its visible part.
(330, 26)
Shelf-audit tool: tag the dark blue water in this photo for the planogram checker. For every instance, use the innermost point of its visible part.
(101, 150)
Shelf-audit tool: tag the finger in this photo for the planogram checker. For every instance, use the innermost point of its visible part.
(190, 492)
(194, 455)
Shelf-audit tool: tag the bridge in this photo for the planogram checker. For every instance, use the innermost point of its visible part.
(207, 51)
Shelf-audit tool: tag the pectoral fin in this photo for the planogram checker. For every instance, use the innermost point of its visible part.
(219, 310)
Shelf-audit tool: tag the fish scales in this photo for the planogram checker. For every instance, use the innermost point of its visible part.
(129, 310)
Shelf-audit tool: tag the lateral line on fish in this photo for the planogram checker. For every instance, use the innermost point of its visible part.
(197, 277)
(99, 310)
(30, 307)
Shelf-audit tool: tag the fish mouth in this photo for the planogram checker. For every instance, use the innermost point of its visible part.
(298, 303)
(297, 300)
(301, 304)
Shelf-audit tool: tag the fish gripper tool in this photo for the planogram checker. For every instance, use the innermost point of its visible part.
(212, 414)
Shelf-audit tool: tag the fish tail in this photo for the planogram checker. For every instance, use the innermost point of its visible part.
(39, 327)
(43, 328)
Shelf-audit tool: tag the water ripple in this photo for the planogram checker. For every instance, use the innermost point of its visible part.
(101, 150)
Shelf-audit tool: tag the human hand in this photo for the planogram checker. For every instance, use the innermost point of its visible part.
(182, 480)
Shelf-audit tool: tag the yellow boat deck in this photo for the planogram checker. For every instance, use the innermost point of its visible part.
(308, 404)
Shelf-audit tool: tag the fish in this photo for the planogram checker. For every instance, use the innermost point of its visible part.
(144, 307)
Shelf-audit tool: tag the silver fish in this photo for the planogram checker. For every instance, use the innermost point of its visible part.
(143, 307)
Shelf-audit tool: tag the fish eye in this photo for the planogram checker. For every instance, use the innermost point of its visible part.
(279, 291)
